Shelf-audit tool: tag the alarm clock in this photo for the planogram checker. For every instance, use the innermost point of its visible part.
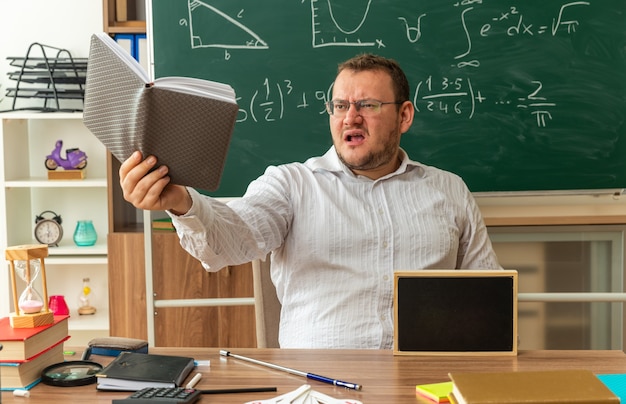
(48, 230)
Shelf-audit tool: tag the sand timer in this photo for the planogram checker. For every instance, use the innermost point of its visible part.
(27, 263)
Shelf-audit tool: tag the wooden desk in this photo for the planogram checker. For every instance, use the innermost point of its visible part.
(385, 378)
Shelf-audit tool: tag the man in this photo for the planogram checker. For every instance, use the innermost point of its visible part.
(337, 225)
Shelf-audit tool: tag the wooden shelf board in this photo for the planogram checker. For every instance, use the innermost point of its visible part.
(127, 27)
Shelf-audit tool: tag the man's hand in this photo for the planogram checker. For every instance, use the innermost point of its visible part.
(151, 190)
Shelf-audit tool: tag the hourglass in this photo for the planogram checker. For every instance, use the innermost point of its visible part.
(31, 309)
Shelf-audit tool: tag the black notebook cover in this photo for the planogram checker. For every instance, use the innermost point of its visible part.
(132, 371)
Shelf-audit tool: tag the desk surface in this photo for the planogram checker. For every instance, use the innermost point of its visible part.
(384, 377)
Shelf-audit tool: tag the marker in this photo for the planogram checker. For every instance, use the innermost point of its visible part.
(312, 376)
(192, 383)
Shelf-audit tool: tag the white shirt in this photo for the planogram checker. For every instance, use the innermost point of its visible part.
(337, 239)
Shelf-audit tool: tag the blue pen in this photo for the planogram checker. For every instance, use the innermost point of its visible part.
(311, 376)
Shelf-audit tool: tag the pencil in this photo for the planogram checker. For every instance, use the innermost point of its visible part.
(239, 390)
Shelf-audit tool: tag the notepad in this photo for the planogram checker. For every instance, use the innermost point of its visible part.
(131, 371)
(435, 392)
(187, 123)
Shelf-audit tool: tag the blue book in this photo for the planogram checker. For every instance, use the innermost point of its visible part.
(616, 383)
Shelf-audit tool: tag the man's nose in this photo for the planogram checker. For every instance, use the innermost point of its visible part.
(352, 113)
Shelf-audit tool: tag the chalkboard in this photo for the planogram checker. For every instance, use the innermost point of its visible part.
(526, 95)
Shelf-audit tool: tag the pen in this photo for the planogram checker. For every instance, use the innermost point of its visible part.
(194, 381)
(312, 376)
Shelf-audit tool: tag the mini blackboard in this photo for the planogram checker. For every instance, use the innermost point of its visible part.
(452, 312)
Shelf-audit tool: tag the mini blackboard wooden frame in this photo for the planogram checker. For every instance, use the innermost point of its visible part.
(455, 312)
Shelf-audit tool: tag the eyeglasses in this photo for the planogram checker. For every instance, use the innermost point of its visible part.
(339, 108)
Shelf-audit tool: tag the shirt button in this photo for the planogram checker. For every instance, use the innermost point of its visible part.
(383, 318)
(385, 244)
(385, 277)
(380, 212)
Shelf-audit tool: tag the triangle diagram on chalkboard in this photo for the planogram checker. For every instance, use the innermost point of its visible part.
(206, 20)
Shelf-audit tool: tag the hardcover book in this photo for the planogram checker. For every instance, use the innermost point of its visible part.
(575, 386)
(616, 382)
(25, 374)
(132, 371)
(20, 344)
(185, 122)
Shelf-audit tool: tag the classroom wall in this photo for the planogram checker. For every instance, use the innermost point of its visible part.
(66, 24)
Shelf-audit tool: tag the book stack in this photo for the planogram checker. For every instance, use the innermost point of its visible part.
(27, 351)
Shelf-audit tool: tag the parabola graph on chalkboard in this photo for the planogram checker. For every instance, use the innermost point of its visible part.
(513, 96)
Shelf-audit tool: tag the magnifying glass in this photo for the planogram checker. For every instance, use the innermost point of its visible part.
(71, 373)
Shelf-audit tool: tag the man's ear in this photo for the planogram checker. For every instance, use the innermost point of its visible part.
(407, 112)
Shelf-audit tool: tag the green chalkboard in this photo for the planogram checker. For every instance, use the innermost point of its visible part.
(526, 95)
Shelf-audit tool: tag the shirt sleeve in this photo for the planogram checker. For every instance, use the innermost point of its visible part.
(213, 233)
(220, 234)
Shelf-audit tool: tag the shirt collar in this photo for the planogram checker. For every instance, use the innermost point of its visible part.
(330, 162)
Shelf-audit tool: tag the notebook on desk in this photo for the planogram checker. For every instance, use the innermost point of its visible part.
(455, 312)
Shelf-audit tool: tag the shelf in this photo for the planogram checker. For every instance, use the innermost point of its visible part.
(78, 261)
(68, 248)
(124, 16)
(90, 322)
(46, 183)
(41, 115)
(128, 27)
(42, 182)
(69, 254)
(26, 138)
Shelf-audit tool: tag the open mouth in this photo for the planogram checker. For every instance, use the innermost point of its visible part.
(355, 138)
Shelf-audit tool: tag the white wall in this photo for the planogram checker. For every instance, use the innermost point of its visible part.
(66, 24)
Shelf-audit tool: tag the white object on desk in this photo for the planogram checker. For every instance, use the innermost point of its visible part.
(21, 393)
(192, 383)
(304, 395)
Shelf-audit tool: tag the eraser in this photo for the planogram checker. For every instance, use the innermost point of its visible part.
(21, 393)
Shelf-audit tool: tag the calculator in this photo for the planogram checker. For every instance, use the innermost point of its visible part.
(161, 395)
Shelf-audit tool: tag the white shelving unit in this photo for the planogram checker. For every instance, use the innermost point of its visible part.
(26, 138)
